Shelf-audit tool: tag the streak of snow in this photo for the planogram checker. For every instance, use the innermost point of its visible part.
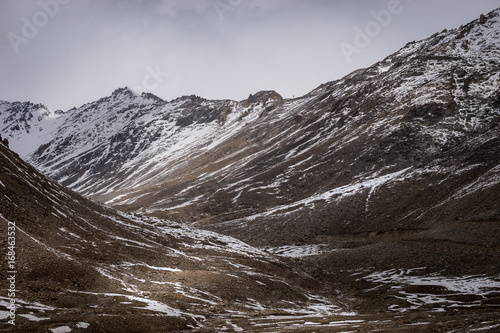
(297, 251)
(150, 304)
(61, 329)
(31, 317)
(331, 195)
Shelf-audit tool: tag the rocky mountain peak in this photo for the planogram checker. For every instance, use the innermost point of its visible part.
(263, 97)
(152, 97)
(125, 91)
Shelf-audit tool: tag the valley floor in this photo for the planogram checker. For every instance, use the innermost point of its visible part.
(411, 281)
(385, 283)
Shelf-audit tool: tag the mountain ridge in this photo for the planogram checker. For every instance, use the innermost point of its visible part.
(408, 116)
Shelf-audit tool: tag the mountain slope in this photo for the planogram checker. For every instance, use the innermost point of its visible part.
(78, 263)
(81, 267)
(407, 143)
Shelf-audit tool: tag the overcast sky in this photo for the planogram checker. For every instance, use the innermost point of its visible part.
(65, 53)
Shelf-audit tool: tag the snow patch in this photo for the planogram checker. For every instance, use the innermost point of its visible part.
(61, 329)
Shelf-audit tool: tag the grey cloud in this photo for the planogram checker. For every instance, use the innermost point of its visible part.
(92, 47)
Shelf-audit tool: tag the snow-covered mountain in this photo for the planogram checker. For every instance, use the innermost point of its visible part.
(120, 139)
(28, 125)
(374, 201)
(407, 142)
